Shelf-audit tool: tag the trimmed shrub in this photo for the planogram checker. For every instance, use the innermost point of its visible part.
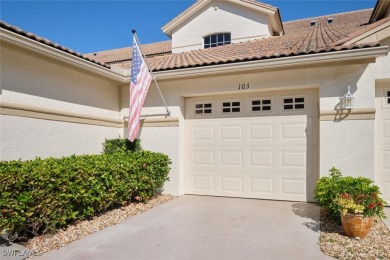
(328, 189)
(121, 145)
(41, 195)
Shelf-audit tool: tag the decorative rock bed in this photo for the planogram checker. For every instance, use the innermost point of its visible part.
(376, 245)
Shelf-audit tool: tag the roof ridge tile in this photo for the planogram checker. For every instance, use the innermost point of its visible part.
(328, 15)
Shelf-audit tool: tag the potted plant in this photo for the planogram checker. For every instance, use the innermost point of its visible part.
(358, 212)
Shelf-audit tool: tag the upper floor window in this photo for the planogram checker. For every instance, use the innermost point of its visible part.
(218, 39)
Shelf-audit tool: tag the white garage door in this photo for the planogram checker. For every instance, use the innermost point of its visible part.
(258, 145)
(382, 140)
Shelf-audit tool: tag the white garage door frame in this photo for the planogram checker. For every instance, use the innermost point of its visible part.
(382, 139)
(252, 145)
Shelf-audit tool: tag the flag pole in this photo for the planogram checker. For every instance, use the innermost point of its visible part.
(151, 72)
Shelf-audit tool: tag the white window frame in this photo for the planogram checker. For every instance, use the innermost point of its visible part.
(218, 33)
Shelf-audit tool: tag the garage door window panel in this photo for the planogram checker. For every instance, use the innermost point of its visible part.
(231, 107)
(261, 105)
(203, 109)
(294, 103)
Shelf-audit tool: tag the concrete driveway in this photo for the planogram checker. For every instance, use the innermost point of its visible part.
(200, 227)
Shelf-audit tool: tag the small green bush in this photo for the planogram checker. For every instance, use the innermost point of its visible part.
(121, 145)
(41, 195)
(328, 189)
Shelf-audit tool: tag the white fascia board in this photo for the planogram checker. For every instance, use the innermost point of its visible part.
(368, 34)
(380, 7)
(264, 8)
(26, 43)
(310, 59)
(270, 11)
(170, 26)
(167, 29)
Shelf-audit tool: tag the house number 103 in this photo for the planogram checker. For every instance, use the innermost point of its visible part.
(243, 86)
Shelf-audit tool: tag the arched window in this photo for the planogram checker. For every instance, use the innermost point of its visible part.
(217, 39)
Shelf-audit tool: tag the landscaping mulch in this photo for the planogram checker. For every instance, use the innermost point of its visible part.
(376, 245)
(42, 244)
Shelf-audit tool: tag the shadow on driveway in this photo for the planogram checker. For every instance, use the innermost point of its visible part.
(310, 212)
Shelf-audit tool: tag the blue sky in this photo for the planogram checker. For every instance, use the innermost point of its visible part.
(90, 26)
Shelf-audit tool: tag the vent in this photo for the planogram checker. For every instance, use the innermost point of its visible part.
(330, 20)
(313, 23)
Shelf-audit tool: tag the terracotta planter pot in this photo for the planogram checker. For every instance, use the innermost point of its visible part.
(355, 225)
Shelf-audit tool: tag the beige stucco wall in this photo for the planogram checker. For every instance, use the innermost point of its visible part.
(165, 140)
(33, 79)
(37, 81)
(349, 145)
(218, 17)
(26, 138)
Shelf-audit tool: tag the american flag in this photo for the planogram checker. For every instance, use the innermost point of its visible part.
(139, 86)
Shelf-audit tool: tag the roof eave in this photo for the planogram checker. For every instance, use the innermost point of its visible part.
(169, 27)
(276, 22)
(361, 35)
(256, 6)
(310, 59)
(380, 6)
(178, 20)
(48, 51)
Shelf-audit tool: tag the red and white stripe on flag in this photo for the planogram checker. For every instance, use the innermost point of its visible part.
(139, 86)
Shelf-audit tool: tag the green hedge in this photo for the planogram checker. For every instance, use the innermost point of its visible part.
(41, 195)
(121, 145)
